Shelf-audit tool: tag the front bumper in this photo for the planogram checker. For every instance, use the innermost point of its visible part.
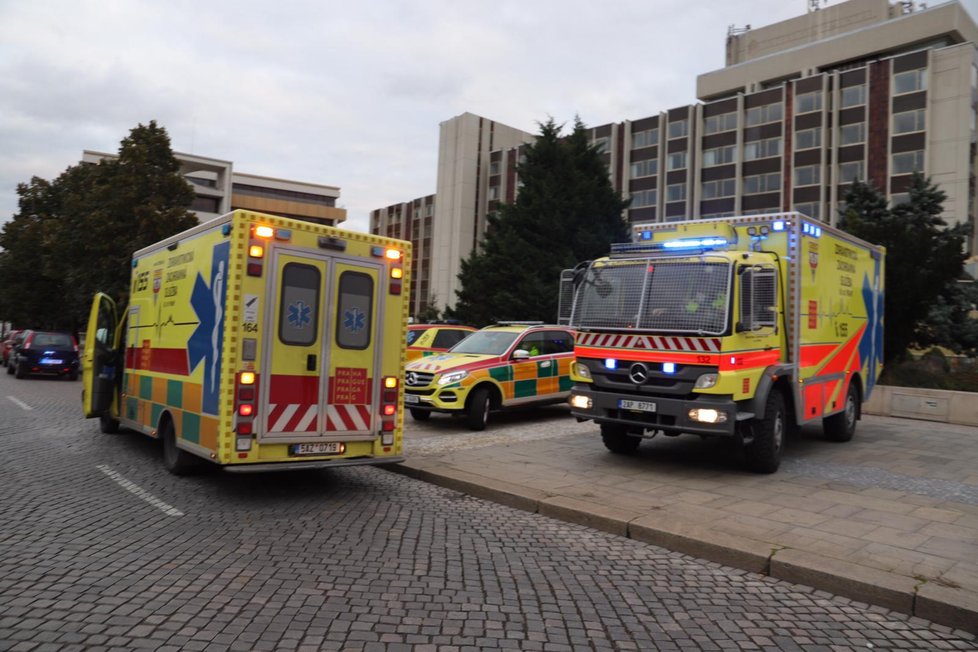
(450, 398)
(671, 415)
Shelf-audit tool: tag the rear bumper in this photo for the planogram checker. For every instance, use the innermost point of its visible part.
(671, 415)
(261, 467)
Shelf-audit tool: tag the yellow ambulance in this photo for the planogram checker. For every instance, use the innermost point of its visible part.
(256, 342)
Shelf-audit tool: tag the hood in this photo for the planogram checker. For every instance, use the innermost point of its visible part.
(449, 361)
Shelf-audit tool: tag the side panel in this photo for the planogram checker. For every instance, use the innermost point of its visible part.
(100, 363)
(175, 339)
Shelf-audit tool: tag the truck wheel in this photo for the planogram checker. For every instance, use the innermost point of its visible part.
(842, 426)
(764, 452)
(176, 461)
(108, 425)
(616, 439)
(477, 410)
(420, 415)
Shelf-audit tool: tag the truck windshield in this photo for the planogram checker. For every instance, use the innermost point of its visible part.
(485, 343)
(684, 296)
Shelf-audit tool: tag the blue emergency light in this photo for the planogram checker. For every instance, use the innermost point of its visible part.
(695, 243)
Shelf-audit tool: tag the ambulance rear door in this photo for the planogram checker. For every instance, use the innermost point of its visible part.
(321, 348)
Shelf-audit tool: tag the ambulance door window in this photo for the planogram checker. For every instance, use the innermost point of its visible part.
(354, 311)
(299, 309)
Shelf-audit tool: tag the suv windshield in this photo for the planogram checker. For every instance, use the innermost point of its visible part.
(486, 343)
(688, 295)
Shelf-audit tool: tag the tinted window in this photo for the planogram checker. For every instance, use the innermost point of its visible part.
(299, 309)
(52, 340)
(354, 312)
(559, 342)
(446, 339)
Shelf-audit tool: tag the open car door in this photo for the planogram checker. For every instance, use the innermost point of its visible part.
(100, 360)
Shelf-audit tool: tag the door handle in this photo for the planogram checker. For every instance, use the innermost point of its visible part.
(311, 362)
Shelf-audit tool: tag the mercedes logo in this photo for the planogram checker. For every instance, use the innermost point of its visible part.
(411, 378)
(639, 373)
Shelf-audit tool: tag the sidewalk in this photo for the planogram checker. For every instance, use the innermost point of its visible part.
(890, 518)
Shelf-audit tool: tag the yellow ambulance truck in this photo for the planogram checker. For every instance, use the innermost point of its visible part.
(742, 327)
(256, 342)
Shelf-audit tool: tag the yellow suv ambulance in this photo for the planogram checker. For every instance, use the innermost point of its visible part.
(513, 363)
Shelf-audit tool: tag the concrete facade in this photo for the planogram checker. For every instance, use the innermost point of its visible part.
(219, 190)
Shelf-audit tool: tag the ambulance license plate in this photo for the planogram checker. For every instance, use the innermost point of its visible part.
(323, 448)
(638, 406)
(411, 398)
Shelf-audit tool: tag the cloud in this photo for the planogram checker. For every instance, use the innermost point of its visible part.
(340, 93)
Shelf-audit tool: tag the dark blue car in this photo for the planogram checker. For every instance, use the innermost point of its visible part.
(45, 352)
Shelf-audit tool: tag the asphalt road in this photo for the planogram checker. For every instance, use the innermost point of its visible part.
(100, 548)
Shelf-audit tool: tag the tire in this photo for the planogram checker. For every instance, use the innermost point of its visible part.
(176, 461)
(108, 425)
(842, 426)
(477, 409)
(764, 452)
(616, 439)
(420, 415)
(20, 372)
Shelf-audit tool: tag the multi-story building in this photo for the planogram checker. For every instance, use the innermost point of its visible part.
(861, 89)
(219, 189)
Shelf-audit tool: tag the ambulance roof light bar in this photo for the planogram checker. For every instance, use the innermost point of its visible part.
(681, 244)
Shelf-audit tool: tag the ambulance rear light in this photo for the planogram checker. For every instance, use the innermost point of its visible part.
(390, 410)
(254, 269)
(264, 232)
(246, 409)
(387, 439)
(394, 286)
(242, 444)
(247, 378)
(256, 251)
(390, 382)
(244, 428)
(392, 254)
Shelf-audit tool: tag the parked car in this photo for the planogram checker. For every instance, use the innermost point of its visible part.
(44, 352)
(493, 368)
(8, 344)
(428, 339)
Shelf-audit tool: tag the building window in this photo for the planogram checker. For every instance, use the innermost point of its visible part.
(899, 198)
(717, 123)
(811, 209)
(808, 138)
(645, 138)
(760, 183)
(848, 172)
(645, 168)
(494, 167)
(762, 149)
(907, 162)
(493, 193)
(763, 114)
(852, 134)
(808, 102)
(808, 175)
(719, 188)
(676, 161)
(678, 129)
(642, 198)
(853, 95)
(676, 192)
(909, 121)
(910, 81)
(428, 209)
(601, 144)
(718, 155)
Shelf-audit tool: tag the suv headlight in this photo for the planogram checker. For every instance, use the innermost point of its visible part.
(582, 370)
(452, 377)
(706, 381)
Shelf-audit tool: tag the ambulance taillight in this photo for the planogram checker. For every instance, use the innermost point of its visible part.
(388, 410)
(256, 249)
(244, 400)
(396, 276)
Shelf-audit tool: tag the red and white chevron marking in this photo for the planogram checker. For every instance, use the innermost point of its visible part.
(292, 417)
(650, 342)
(347, 417)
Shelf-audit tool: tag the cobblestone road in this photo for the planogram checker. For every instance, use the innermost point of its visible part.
(100, 548)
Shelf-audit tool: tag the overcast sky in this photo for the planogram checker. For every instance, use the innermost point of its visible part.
(349, 93)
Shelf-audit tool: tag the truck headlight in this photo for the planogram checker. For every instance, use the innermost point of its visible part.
(453, 377)
(580, 402)
(706, 381)
(707, 415)
(581, 370)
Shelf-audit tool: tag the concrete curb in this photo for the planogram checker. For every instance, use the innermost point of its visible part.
(908, 595)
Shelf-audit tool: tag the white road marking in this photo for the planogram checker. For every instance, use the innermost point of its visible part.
(20, 403)
(142, 493)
